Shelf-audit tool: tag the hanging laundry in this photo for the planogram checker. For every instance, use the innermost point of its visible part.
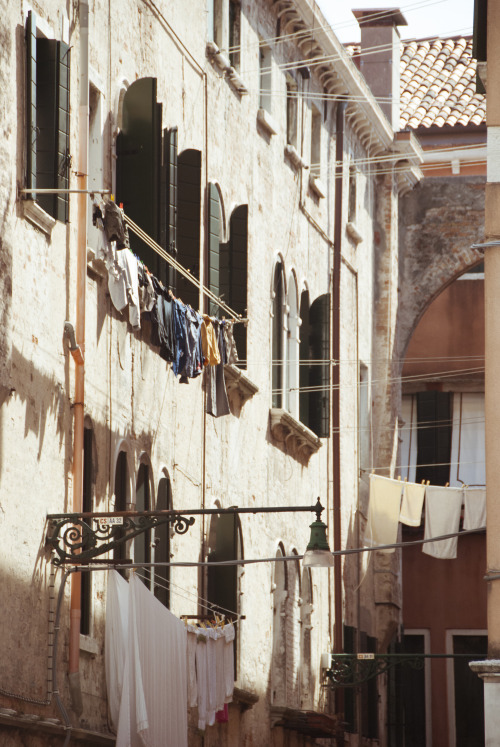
(194, 353)
(442, 516)
(474, 508)
(116, 641)
(162, 318)
(153, 707)
(383, 512)
(231, 352)
(217, 402)
(209, 344)
(412, 504)
(192, 631)
(147, 295)
(115, 226)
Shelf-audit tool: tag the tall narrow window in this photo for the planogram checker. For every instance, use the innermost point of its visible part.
(87, 507)
(265, 62)
(315, 142)
(364, 438)
(47, 86)
(142, 543)
(468, 690)
(291, 111)
(434, 411)
(138, 150)
(188, 222)
(225, 543)
(122, 499)
(234, 33)
(277, 335)
(96, 155)
(292, 387)
(214, 239)
(306, 678)
(233, 273)
(304, 368)
(162, 543)
(319, 352)
(278, 660)
(352, 196)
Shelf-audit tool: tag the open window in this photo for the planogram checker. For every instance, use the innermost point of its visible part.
(89, 467)
(314, 398)
(47, 128)
(142, 543)
(278, 343)
(233, 273)
(188, 223)
(292, 350)
(121, 500)
(162, 543)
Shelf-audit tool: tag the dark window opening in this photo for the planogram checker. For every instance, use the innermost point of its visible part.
(162, 544)
(234, 33)
(122, 499)
(188, 223)
(291, 113)
(319, 377)
(225, 543)
(142, 543)
(87, 507)
(469, 692)
(304, 368)
(47, 100)
(352, 197)
(233, 274)
(434, 416)
(277, 343)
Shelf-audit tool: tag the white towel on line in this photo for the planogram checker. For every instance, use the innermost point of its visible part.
(442, 516)
(412, 504)
(474, 508)
(383, 512)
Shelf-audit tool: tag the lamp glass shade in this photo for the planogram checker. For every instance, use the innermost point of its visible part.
(318, 559)
(318, 551)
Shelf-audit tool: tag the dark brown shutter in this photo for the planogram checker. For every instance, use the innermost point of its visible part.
(233, 272)
(138, 166)
(188, 222)
(31, 98)
(319, 350)
(304, 353)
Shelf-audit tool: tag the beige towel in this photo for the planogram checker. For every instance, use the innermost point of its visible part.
(412, 504)
(383, 512)
(442, 516)
(474, 508)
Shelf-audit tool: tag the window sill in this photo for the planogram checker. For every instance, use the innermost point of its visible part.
(294, 157)
(299, 439)
(237, 382)
(267, 122)
(353, 233)
(223, 63)
(89, 645)
(95, 267)
(244, 698)
(317, 186)
(310, 723)
(37, 215)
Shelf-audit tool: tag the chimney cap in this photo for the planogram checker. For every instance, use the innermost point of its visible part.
(380, 17)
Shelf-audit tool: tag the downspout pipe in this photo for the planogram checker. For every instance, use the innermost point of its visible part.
(335, 317)
(78, 408)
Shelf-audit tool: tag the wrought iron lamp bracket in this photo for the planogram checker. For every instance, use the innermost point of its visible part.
(75, 541)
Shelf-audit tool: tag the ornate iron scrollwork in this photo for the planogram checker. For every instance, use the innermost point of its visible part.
(75, 541)
(350, 670)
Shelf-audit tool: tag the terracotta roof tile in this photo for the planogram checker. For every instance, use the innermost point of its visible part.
(438, 83)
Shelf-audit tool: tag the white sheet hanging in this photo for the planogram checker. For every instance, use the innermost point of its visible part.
(116, 638)
(442, 516)
(474, 508)
(153, 707)
(412, 504)
(383, 512)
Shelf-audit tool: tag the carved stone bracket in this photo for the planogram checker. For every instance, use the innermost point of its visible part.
(300, 441)
(237, 382)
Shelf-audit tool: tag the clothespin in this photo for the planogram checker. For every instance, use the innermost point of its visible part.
(428, 482)
(447, 485)
(406, 479)
(399, 477)
(423, 482)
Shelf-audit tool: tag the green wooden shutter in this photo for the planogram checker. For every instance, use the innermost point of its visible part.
(214, 231)
(319, 342)
(46, 121)
(138, 166)
(188, 221)
(31, 102)
(62, 156)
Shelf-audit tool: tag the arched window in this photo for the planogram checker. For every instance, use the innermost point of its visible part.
(89, 473)
(306, 607)
(292, 388)
(278, 661)
(314, 401)
(278, 347)
(122, 498)
(162, 543)
(304, 371)
(215, 231)
(142, 543)
(223, 582)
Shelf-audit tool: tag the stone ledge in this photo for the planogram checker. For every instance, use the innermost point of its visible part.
(353, 233)
(239, 383)
(224, 64)
(299, 439)
(37, 215)
(89, 645)
(266, 121)
(487, 669)
(44, 725)
(317, 186)
(244, 698)
(295, 158)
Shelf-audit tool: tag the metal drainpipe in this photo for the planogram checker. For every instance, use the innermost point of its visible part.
(337, 237)
(81, 280)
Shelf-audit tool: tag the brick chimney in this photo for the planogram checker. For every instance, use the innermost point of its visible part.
(379, 28)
